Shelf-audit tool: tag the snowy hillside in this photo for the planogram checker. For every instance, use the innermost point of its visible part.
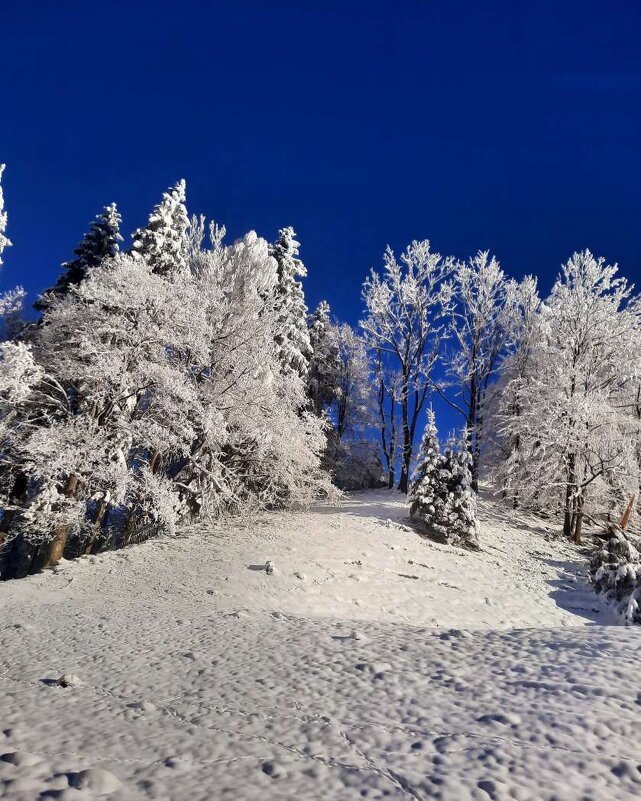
(371, 664)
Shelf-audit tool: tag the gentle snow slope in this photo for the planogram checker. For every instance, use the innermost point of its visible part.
(333, 678)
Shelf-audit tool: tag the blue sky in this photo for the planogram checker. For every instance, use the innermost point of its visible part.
(513, 126)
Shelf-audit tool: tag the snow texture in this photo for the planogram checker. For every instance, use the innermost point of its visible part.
(373, 663)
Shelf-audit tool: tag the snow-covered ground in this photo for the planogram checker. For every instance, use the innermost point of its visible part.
(371, 664)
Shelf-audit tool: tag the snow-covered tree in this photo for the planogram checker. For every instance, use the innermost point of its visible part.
(426, 478)
(615, 571)
(153, 398)
(11, 302)
(324, 366)
(339, 386)
(4, 241)
(441, 493)
(507, 455)
(407, 311)
(292, 335)
(575, 429)
(163, 242)
(483, 324)
(387, 395)
(102, 241)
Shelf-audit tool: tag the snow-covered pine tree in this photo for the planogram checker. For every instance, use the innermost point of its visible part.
(423, 494)
(324, 365)
(615, 571)
(441, 492)
(11, 302)
(461, 501)
(4, 242)
(101, 241)
(164, 241)
(292, 337)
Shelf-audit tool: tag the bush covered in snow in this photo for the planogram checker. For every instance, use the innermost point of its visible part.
(615, 570)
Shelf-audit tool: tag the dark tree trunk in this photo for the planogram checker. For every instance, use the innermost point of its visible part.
(569, 496)
(96, 527)
(403, 483)
(578, 521)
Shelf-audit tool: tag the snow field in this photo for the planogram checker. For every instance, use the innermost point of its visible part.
(205, 678)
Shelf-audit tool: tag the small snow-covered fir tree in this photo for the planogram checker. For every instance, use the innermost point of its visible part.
(100, 242)
(461, 499)
(615, 571)
(426, 480)
(164, 241)
(4, 242)
(292, 337)
(441, 492)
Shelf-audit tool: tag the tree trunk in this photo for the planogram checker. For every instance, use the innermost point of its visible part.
(472, 428)
(569, 496)
(578, 522)
(97, 524)
(57, 545)
(403, 483)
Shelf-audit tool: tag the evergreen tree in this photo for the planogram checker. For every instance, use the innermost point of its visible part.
(292, 338)
(461, 500)
(4, 242)
(163, 242)
(441, 492)
(324, 365)
(11, 302)
(100, 242)
(423, 495)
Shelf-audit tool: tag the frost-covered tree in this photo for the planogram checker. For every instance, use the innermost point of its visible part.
(387, 396)
(615, 571)
(324, 365)
(575, 428)
(441, 493)
(153, 398)
(483, 325)
(353, 392)
(339, 385)
(102, 241)
(507, 454)
(292, 335)
(11, 302)
(426, 478)
(4, 241)
(407, 311)
(163, 242)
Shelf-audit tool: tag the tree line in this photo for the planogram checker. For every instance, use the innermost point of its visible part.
(183, 376)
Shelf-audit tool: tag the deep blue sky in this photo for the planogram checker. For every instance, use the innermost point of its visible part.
(507, 125)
